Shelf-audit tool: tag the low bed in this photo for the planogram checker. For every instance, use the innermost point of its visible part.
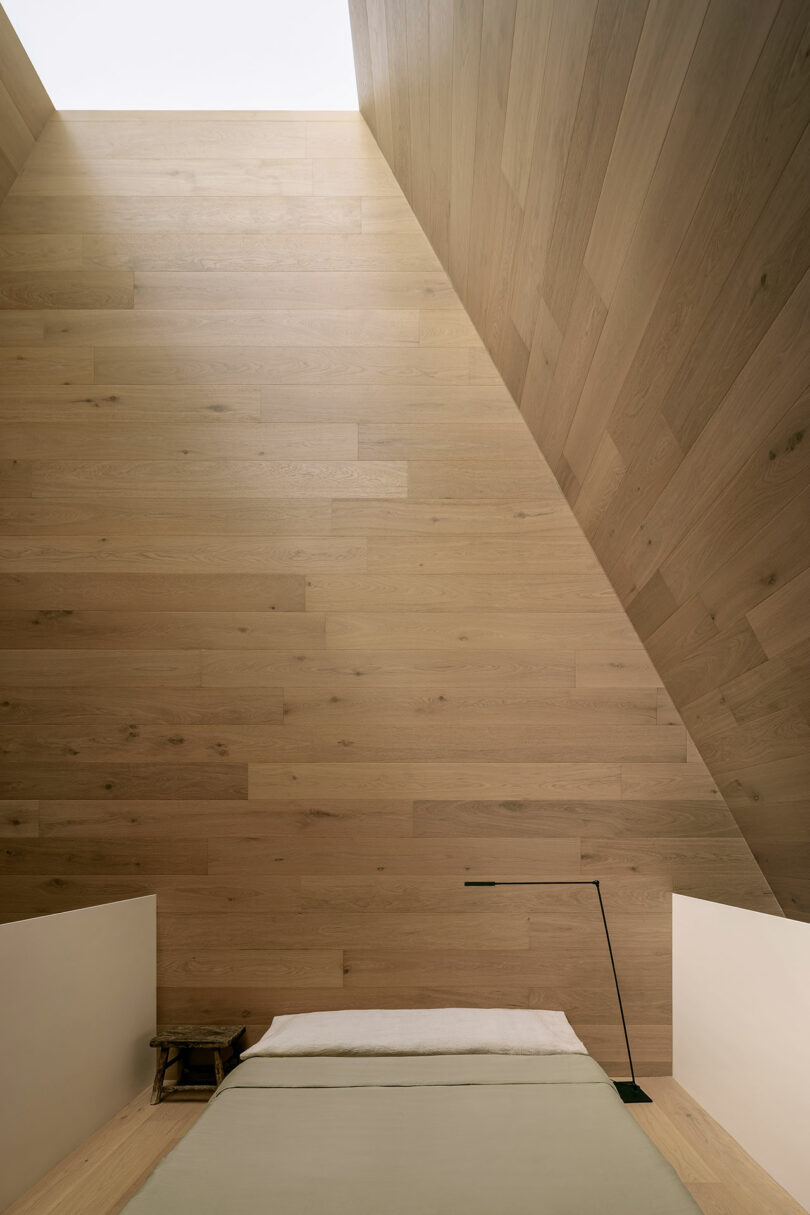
(478, 1133)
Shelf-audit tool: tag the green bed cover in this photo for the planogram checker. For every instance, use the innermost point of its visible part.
(427, 1135)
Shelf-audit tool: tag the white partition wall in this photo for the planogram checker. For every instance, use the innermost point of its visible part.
(77, 1011)
(741, 1026)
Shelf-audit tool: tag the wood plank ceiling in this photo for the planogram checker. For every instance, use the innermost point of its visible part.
(299, 630)
(620, 191)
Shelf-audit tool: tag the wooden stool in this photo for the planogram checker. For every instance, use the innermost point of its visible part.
(216, 1038)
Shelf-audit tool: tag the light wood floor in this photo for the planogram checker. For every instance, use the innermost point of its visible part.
(102, 1174)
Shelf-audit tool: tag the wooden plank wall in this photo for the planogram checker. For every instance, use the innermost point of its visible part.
(620, 191)
(25, 107)
(299, 629)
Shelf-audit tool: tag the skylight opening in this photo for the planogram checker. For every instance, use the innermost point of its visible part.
(190, 54)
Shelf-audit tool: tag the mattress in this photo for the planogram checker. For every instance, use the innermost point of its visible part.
(424, 1135)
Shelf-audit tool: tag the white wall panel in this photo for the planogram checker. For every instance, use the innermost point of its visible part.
(741, 1025)
(76, 1015)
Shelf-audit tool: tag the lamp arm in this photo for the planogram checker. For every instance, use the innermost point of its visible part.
(629, 1091)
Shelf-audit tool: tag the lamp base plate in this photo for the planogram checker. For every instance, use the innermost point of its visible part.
(630, 1093)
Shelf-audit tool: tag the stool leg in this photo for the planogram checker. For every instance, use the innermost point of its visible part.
(182, 1059)
(160, 1072)
(219, 1068)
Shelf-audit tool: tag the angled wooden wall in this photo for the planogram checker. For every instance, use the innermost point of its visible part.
(620, 190)
(25, 107)
(298, 630)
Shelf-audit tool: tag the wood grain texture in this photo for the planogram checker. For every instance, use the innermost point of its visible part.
(25, 107)
(627, 221)
(298, 630)
(103, 1173)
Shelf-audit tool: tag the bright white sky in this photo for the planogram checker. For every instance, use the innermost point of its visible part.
(190, 54)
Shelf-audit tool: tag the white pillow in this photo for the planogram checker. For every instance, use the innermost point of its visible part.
(420, 1031)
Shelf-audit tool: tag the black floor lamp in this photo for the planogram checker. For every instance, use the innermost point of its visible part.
(628, 1090)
